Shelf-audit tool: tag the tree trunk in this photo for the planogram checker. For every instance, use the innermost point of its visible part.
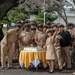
(5, 6)
(63, 17)
(66, 20)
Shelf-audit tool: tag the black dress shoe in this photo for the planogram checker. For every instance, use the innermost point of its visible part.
(68, 68)
(60, 69)
(48, 71)
(64, 67)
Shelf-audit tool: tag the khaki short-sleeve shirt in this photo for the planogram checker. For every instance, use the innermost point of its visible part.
(41, 37)
(12, 36)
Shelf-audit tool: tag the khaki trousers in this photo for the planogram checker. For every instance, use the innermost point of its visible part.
(58, 56)
(15, 48)
(73, 53)
(6, 51)
(65, 51)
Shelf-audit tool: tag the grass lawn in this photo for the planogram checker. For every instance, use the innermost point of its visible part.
(4, 30)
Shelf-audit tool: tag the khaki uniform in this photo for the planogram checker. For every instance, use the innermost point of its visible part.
(72, 32)
(73, 47)
(66, 56)
(15, 50)
(34, 43)
(41, 37)
(58, 52)
(6, 49)
(50, 53)
(26, 38)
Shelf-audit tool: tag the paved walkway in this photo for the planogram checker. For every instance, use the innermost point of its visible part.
(33, 72)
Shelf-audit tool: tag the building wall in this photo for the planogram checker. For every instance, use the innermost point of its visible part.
(32, 17)
(70, 19)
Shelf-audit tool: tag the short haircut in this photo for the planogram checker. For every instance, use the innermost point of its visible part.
(70, 24)
(26, 25)
(50, 30)
(60, 25)
(45, 26)
(17, 25)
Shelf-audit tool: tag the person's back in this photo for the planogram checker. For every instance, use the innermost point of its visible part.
(26, 37)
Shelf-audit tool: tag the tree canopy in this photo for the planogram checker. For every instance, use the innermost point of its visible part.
(17, 14)
(49, 5)
(48, 17)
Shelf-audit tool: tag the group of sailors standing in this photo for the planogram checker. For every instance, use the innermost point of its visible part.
(56, 40)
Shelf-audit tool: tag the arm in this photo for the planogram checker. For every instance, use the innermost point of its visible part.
(36, 40)
(38, 43)
(54, 35)
(45, 46)
(19, 42)
(59, 37)
(6, 38)
(8, 33)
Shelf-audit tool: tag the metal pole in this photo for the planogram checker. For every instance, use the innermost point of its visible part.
(44, 13)
(44, 18)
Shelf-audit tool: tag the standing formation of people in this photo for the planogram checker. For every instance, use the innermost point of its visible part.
(56, 40)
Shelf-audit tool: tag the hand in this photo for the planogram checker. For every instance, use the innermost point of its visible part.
(59, 37)
(44, 46)
(41, 45)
